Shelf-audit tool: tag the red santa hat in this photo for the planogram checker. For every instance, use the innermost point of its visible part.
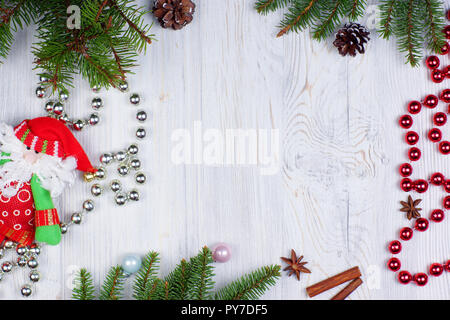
(52, 137)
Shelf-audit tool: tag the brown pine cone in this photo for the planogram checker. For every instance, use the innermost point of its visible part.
(174, 14)
(351, 39)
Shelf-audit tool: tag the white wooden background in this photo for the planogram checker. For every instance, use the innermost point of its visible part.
(335, 199)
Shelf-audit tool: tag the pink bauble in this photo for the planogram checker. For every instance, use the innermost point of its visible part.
(221, 252)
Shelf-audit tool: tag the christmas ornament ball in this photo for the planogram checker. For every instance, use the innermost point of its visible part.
(106, 158)
(7, 267)
(79, 124)
(88, 205)
(21, 261)
(76, 218)
(446, 202)
(120, 156)
(96, 103)
(100, 173)
(120, 199)
(406, 184)
(134, 195)
(123, 86)
(414, 154)
(94, 119)
(221, 252)
(133, 149)
(433, 62)
(34, 276)
(440, 118)
(123, 170)
(96, 190)
(131, 263)
(405, 170)
(414, 107)
(445, 95)
(32, 263)
(21, 250)
(49, 106)
(40, 92)
(444, 147)
(115, 186)
(395, 247)
(420, 279)
(135, 164)
(431, 101)
(437, 179)
(394, 264)
(58, 108)
(437, 215)
(64, 228)
(26, 291)
(135, 99)
(63, 96)
(406, 234)
(141, 116)
(447, 266)
(141, 133)
(35, 249)
(445, 49)
(437, 76)
(411, 137)
(406, 121)
(421, 224)
(140, 178)
(404, 277)
(436, 269)
(435, 135)
(446, 184)
(420, 186)
(446, 31)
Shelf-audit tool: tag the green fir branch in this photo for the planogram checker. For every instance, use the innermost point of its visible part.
(300, 15)
(357, 9)
(434, 23)
(387, 18)
(112, 288)
(145, 277)
(266, 6)
(178, 281)
(331, 14)
(200, 281)
(251, 286)
(84, 287)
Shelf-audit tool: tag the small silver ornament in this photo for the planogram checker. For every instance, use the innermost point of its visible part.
(140, 177)
(141, 133)
(96, 89)
(79, 124)
(94, 119)
(32, 263)
(34, 276)
(96, 103)
(100, 174)
(26, 291)
(135, 164)
(49, 106)
(106, 158)
(115, 186)
(40, 92)
(9, 244)
(7, 267)
(21, 261)
(43, 78)
(35, 249)
(141, 116)
(120, 156)
(64, 228)
(88, 205)
(58, 108)
(122, 170)
(96, 190)
(133, 149)
(63, 96)
(120, 199)
(76, 218)
(135, 99)
(123, 86)
(21, 250)
(131, 263)
(134, 195)
(63, 117)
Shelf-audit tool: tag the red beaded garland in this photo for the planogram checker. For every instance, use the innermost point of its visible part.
(394, 264)
(435, 135)
(445, 95)
(404, 277)
(444, 147)
(420, 186)
(436, 269)
(433, 62)
(411, 138)
(414, 107)
(406, 170)
(447, 266)
(414, 153)
(406, 234)
(395, 247)
(406, 121)
(437, 179)
(406, 184)
(446, 71)
(437, 215)
(447, 186)
(446, 31)
(420, 279)
(445, 49)
(440, 119)
(431, 101)
(447, 14)
(437, 76)
(446, 202)
(421, 224)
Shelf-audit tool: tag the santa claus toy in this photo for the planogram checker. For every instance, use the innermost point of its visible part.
(38, 160)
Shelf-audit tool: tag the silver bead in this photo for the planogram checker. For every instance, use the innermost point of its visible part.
(100, 174)
(96, 103)
(35, 249)
(63, 96)
(9, 244)
(115, 186)
(141, 133)
(79, 125)
(123, 86)
(58, 108)
(7, 267)
(140, 177)
(32, 263)
(133, 195)
(63, 117)
(34, 276)
(49, 106)
(21, 250)
(64, 228)
(135, 99)
(40, 92)
(43, 78)
(26, 291)
(106, 158)
(88, 205)
(133, 149)
(120, 156)
(76, 218)
(135, 164)
(94, 119)
(141, 116)
(122, 170)
(21, 261)
(96, 89)
(120, 199)
(96, 190)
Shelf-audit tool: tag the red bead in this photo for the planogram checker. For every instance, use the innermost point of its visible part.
(411, 137)
(414, 153)
(437, 215)
(433, 62)
(446, 202)
(440, 119)
(447, 266)
(445, 49)
(444, 147)
(437, 76)
(406, 170)
(446, 31)
(420, 186)
(436, 269)
(406, 234)
(394, 264)
(447, 14)
(445, 95)
(414, 107)
(435, 135)
(406, 184)
(404, 277)
(420, 279)
(395, 247)
(447, 186)
(431, 101)
(421, 224)
(437, 179)
(406, 121)
(446, 71)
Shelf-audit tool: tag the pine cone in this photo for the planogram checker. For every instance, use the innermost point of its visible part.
(351, 39)
(174, 14)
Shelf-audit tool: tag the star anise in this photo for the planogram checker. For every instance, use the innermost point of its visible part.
(295, 265)
(410, 208)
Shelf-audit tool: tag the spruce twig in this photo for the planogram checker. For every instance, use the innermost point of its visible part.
(112, 288)
(200, 282)
(387, 16)
(84, 288)
(145, 278)
(434, 25)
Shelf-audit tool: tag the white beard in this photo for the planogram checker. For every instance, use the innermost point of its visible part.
(54, 173)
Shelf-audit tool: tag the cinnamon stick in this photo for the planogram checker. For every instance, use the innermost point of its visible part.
(334, 281)
(344, 293)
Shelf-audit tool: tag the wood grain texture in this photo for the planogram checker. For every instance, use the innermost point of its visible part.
(335, 199)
